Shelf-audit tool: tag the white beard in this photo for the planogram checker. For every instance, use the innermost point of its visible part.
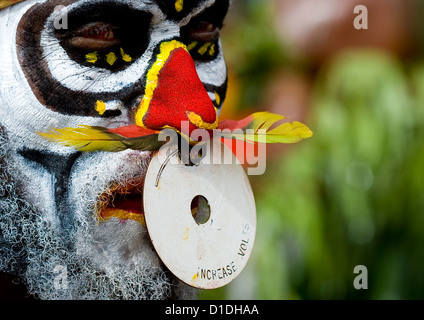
(102, 260)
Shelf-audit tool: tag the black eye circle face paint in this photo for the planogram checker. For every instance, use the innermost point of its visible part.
(105, 35)
(108, 47)
(99, 35)
(201, 34)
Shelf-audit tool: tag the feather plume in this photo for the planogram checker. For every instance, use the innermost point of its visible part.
(256, 128)
(92, 138)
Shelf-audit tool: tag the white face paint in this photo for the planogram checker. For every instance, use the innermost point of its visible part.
(96, 80)
(46, 82)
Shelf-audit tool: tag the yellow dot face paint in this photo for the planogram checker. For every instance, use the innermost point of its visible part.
(179, 4)
(100, 107)
(125, 57)
(111, 58)
(91, 57)
(212, 50)
(217, 98)
(192, 45)
(202, 50)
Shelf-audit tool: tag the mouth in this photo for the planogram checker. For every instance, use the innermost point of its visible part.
(123, 201)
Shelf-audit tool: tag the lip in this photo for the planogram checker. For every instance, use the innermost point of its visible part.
(122, 201)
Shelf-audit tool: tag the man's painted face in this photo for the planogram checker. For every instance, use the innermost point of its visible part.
(66, 63)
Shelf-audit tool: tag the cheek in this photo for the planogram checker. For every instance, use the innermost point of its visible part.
(21, 112)
(35, 185)
(214, 77)
(213, 72)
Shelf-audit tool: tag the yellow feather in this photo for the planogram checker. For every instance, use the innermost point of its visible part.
(86, 139)
(257, 130)
(91, 138)
(289, 132)
(264, 120)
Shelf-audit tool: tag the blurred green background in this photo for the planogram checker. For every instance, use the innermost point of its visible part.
(353, 194)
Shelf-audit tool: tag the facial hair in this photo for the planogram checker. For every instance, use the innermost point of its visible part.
(55, 266)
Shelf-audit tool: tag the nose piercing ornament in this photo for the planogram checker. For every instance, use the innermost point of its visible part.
(204, 252)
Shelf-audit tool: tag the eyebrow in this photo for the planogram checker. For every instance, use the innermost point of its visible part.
(7, 3)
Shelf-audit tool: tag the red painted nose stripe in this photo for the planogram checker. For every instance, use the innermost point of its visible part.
(178, 92)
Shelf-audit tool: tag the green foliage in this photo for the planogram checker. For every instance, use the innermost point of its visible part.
(354, 193)
(351, 195)
(252, 48)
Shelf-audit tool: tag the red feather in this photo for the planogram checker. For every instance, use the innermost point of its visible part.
(133, 131)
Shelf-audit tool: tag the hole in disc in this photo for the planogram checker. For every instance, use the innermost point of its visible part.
(200, 209)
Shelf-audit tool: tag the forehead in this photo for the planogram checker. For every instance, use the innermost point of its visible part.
(173, 9)
(179, 11)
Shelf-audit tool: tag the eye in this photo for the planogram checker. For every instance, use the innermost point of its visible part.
(201, 34)
(105, 35)
(204, 31)
(95, 36)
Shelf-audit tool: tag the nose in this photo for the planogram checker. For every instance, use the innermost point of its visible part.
(174, 93)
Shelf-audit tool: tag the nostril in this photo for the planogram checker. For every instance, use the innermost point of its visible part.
(204, 32)
(112, 113)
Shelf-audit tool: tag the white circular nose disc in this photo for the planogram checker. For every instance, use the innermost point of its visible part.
(202, 254)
